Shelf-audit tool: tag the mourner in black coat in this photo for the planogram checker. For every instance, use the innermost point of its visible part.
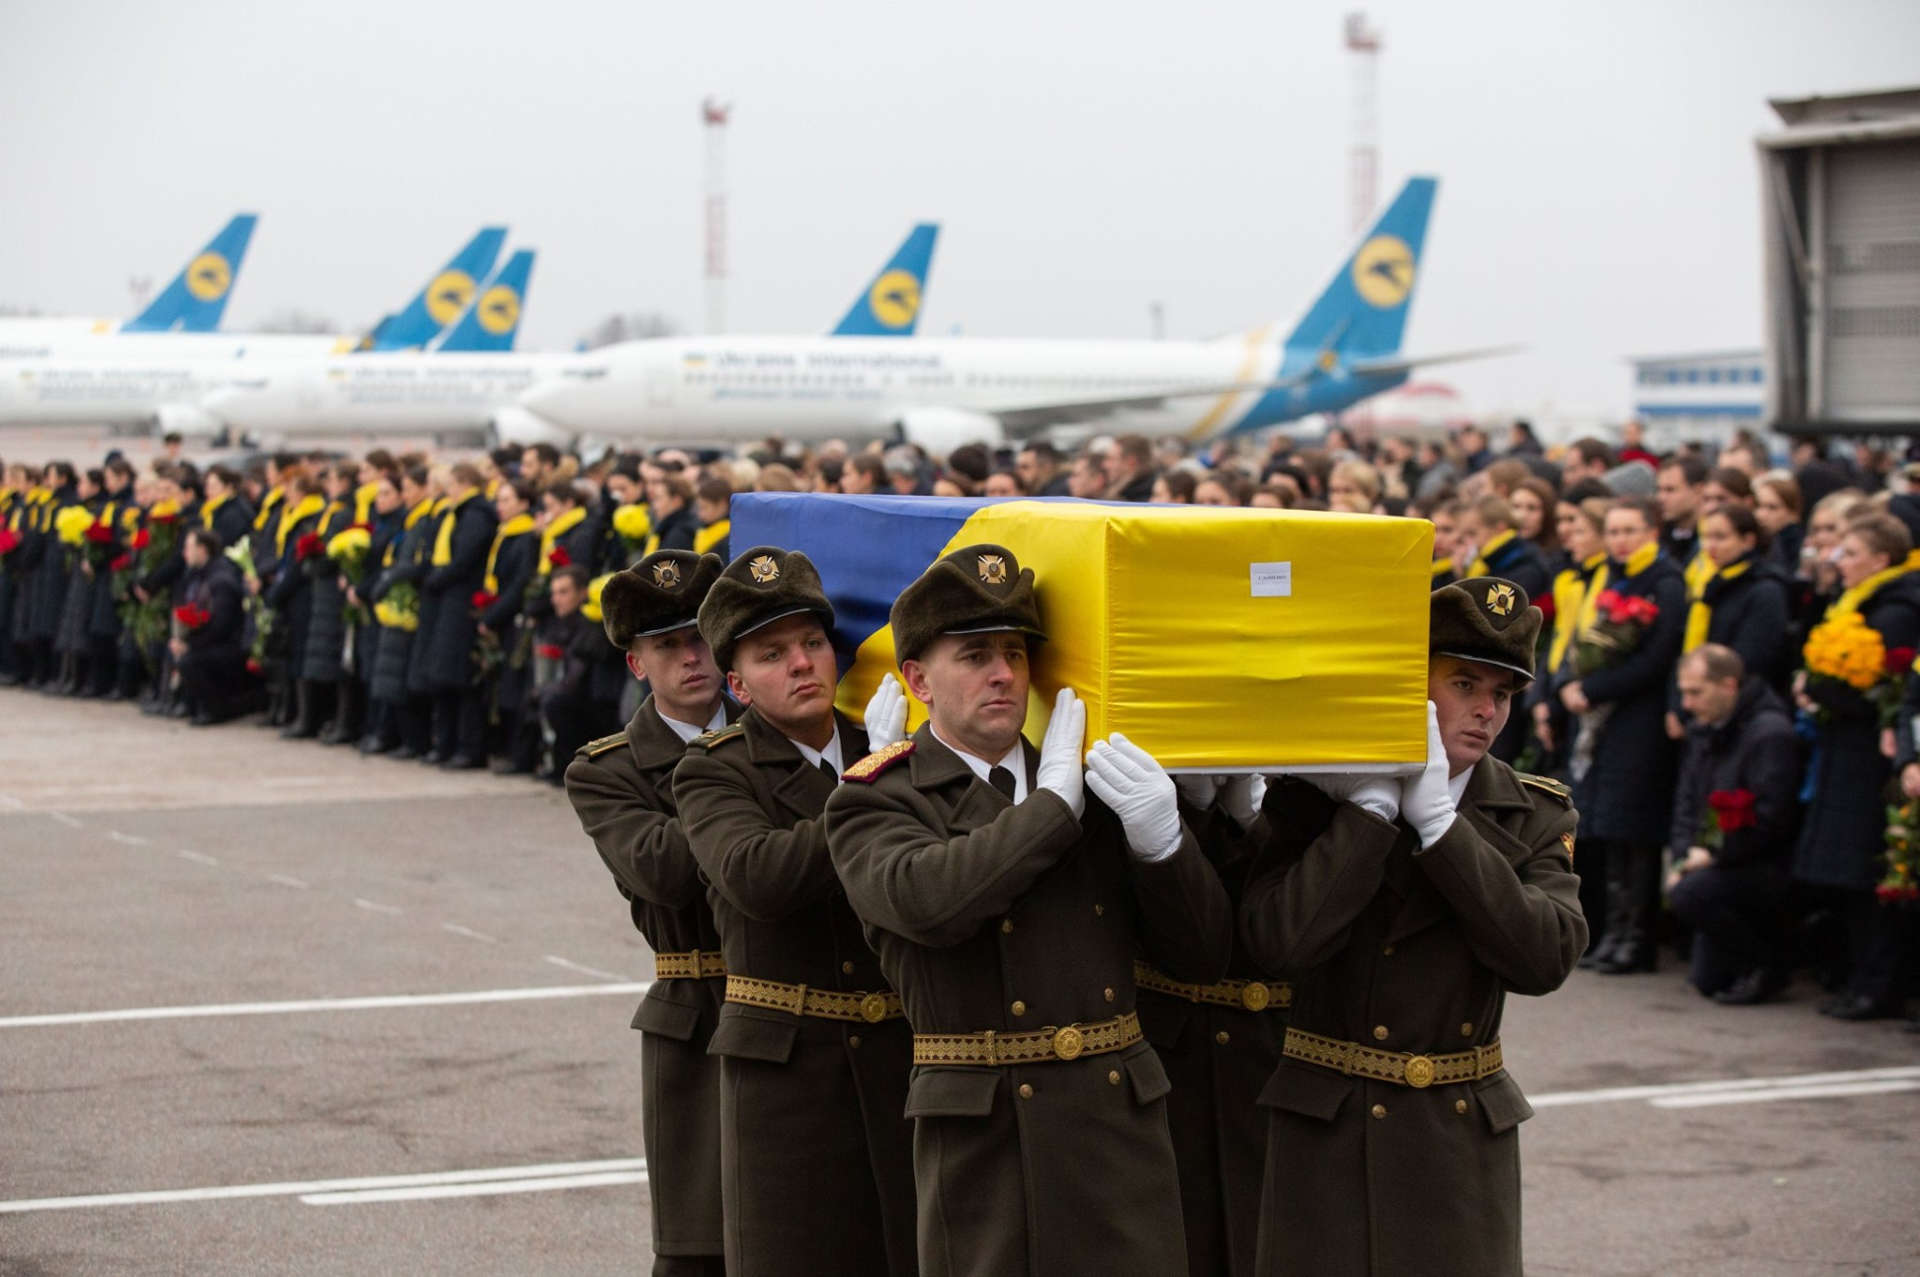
(456, 572)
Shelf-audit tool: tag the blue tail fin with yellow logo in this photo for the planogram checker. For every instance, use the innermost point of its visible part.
(890, 306)
(197, 297)
(493, 320)
(1363, 312)
(446, 296)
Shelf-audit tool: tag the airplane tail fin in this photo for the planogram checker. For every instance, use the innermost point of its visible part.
(890, 306)
(1363, 311)
(445, 297)
(493, 320)
(197, 297)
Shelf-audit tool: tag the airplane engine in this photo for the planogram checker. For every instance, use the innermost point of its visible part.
(515, 425)
(190, 421)
(941, 430)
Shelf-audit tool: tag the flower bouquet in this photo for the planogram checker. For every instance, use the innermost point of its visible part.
(400, 609)
(1843, 651)
(348, 552)
(1620, 622)
(1902, 881)
(633, 525)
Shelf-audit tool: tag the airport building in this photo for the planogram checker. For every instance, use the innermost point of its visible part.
(1701, 397)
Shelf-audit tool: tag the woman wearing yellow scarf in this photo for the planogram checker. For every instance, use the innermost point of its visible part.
(1744, 600)
(511, 564)
(449, 622)
(400, 717)
(290, 598)
(1577, 527)
(318, 671)
(1842, 840)
(43, 585)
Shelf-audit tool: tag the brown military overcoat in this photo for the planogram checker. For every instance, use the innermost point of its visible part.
(1405, 950)
(816, 1160)
(621, 789)
(994, 916)
(1218, 1059)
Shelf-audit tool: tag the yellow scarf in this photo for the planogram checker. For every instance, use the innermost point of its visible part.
(1479, 566)
(1441, 567)
(312, 503)
(1637, 562)
(1700, 569)
(518, 526)
(1854, 599)
(1699, 614)
(443, 538)
(211, 507)
(327, 525)
(711, 535)
(414, 516)
(555, 530)
(363, 501)
(267, 504)
(1569, 596)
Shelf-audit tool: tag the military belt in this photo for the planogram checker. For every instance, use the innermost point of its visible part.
(1034, 1047)
(797, 999)
(1398, 1067)
(695, 965)
(1245, 995)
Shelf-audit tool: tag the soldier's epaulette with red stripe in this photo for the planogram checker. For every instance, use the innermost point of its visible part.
(869, 768)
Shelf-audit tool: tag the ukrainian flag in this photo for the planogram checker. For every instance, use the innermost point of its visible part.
(1218, 639)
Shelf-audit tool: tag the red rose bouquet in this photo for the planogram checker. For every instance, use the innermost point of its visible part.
(1619, 623)
(483, 599)
(9, 542)
(191, 616)
(309, 544)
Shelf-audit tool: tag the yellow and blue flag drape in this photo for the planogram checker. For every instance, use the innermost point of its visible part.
(1217, 639)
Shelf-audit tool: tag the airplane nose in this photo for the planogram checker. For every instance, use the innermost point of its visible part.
(563, 401)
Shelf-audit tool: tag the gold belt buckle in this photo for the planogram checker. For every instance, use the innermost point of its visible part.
(873, 1008)
(1419, 1072)
(1068, 1043)
(1255, 995)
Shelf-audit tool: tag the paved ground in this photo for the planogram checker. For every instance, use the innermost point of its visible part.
(215, 885)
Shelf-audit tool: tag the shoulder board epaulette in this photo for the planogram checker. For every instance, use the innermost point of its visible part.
(719, 736)
(1547, 784)
(595, 748)
(869, 768)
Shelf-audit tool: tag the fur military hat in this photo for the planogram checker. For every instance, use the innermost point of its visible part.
(975, 589)
(661, 592)
(1485, 619)
(761, 586)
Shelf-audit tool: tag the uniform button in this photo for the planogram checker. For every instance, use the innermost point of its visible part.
(1466, 1030)
(1019, 1008)
(1379, 1110)
(1006, 926)
(1026, 1091)
(1113, 1077)
(846, 968)
(1222, 1037)
(1387, 952)
(1460, 1106)
(853, 1041)
(1107, 994)
(1380, 1033)
(1099, 911)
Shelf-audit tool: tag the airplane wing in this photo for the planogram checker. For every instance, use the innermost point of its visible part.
(1024, 421)
(1391, 365)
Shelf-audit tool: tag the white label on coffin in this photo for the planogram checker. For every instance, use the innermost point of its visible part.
(1273, 580)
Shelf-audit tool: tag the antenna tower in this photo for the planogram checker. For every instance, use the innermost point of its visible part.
(714, 115)
(1363, 154)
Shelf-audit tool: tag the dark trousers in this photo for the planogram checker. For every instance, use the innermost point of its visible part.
(1880, 940)
(1633, 893)
(689, 1266)
(1735, 916)
(459, 724)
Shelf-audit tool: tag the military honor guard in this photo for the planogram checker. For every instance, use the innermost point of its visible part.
(1411, 907)
(1007, 907)
(621, 788)
(816, 1155)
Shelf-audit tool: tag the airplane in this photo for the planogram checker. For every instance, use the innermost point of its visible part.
(491, 321)
(448, 393)
(942, 392)
(193, 302)
(435, 307)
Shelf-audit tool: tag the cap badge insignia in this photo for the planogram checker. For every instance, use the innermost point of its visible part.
(666, 575)
(1500, 600)
(764, 570)
(993, 569)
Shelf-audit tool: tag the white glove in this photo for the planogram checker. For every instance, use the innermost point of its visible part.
(1141, 794)
(1197, 789)
(1059, 768)
(1377, 794)
(886, 719)
(1425, 799)
(1242, 796)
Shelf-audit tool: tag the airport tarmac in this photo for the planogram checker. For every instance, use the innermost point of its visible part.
(275, 1008)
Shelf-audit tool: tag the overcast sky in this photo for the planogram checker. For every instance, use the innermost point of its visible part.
(1597, 198)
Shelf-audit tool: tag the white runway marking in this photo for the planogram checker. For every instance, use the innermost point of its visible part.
(197, 857)
(287, 881)
(65, 819)
(361, 1184)
(429, 1191)
(558, 961)
(468, 932)
(375, 906)
(1697, 1094)
(131, 840)
(1831, 1091)
(11, 803)
(376, 1003)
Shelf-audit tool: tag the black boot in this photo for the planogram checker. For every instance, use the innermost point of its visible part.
(345, 728)
(305, 724)
(1629, 911)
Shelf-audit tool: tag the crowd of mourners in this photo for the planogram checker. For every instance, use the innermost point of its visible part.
(1726, 661)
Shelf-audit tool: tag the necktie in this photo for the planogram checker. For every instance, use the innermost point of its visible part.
(827, 768)
(1001, 779)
